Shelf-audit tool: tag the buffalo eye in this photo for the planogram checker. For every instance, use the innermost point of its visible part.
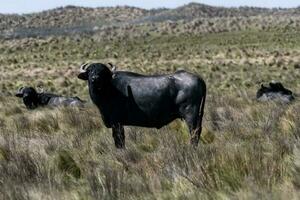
(94, 78)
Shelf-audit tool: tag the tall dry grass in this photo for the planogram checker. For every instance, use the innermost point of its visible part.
(248, 150)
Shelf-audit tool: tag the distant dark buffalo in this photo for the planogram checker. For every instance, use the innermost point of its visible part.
(275, 92)
(32, 99)
(126, 98)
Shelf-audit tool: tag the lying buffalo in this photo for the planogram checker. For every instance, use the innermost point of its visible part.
(32, 99)
(126, 98)
(275, 92)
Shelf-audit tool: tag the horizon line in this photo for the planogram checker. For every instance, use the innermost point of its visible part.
(139, 7)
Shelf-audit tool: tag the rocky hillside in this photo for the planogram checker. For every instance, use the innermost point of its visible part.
(71, 16)
(196, 10)
(78, 20)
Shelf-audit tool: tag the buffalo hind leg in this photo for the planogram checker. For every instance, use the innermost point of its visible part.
(118, 135)
(194, 121)
(195, 135)
(193, 116)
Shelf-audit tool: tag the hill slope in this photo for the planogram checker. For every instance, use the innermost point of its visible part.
(79, 20)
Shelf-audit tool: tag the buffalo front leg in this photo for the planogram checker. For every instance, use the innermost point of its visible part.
(118, 135)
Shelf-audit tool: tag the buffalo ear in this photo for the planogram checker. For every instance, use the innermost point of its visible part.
(20, 95)
(83, 76)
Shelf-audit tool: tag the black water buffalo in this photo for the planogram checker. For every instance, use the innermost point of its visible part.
(32, 99)
(126, 98)
(275, 92)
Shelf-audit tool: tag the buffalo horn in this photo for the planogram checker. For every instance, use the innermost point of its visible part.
(83, 67)
(113, 67)
(20, 89)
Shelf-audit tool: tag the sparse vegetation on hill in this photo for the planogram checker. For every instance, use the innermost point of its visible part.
(248, 150)
(81, 20)
(71, 16)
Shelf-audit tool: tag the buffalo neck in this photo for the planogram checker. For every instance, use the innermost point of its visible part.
(104, 99)
(43, 99)
(101, 96)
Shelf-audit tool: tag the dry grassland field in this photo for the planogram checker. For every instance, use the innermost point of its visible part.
(248, 149)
